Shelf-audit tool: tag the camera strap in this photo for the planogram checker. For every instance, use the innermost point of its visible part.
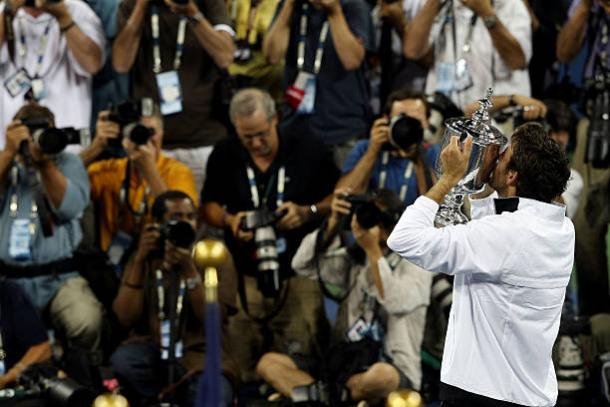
(14, 202)
(23, 49)
(281, 183)
(168, 328)
(124, 195)
(404, 188)
(303, 23)
(154, 21)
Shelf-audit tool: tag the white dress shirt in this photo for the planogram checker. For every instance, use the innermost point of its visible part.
(487, 69)
(67, 83)
(511, 271)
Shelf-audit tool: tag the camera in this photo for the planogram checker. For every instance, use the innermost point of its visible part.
(43, 380)
(50, 140)
(261, 222)
(368, 215)
(32, 3)
(598, 140)
(404, 132)
(179, 233)
(128, 115)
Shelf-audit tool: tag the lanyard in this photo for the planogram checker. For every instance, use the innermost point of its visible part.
(166, 330)
(124, 195)
(281, 182)
(23, 50)
(154, 20)
(14, 203)
(161, 296)
(467, 42)
(302, 37)
(384, 171)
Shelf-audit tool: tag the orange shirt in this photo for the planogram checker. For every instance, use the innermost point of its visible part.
(106, 178)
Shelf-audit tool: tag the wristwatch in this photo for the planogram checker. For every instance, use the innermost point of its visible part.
(490, 21)
(196, 18)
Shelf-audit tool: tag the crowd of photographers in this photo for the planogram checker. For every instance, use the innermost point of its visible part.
(296, 132)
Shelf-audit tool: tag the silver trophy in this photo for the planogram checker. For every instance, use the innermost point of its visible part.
(486, 146)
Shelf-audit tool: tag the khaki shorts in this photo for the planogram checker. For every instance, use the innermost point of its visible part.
(299, 328)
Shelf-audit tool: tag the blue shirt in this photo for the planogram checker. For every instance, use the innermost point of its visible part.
(396, 169)
(67, 232)
(20, 324)
(342, 110)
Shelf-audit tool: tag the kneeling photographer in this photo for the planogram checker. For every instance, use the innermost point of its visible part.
(396, 156)
(385, 299)
(43, 192)
(161, 301)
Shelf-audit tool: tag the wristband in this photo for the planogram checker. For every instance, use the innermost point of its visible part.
(133, 286)
(65, 29)
(196, 18)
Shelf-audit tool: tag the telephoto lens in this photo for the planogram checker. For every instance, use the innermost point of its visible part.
(179, 233)
(405, 131)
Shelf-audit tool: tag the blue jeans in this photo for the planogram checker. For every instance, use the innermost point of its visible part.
(143, 375)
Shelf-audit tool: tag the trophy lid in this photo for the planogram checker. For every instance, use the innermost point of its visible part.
(479, 125)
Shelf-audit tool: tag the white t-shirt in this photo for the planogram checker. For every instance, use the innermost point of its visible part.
(511, 271)
(67, 83)
(483, 56)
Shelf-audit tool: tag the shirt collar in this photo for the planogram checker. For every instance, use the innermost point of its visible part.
(551, 211)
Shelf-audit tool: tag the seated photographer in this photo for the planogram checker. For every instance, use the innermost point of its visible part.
(386, 302)
(267, 190)
(160, 287)
(395, 157)
(23, 337)
(123, 189)
(42, 197)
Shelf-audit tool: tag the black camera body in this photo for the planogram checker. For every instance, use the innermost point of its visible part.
(128, 114)
(404, 132)
(43, 380)
(368, 215)
(598, 140)
(48, 139)
(32, 3)
(261, 222)
(179, 233)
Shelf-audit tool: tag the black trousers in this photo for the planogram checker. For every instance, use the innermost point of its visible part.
(452, 396)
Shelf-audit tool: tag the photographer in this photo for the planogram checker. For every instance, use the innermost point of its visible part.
(123, 189)
(588, 27)
(474, 45)
(402, 164)
(42, 198)
(50, 50)
(161, 287)
(386, 305)
(173, 51)
(587, 19)
(326, 90)
(267, 190)
(23, 337)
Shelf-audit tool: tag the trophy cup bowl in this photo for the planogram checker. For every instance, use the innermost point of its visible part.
(487, 142)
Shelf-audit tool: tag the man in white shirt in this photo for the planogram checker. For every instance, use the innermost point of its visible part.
(489, 45)
(52, 49)
(511, 264)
